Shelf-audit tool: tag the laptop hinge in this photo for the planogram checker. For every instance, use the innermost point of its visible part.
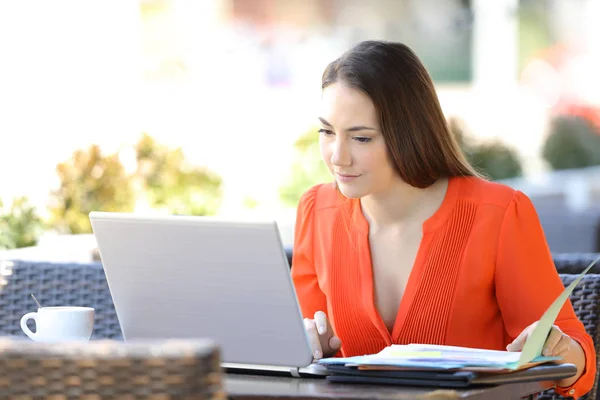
(295, 372)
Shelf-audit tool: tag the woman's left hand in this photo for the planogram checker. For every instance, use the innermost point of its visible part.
(557, 343)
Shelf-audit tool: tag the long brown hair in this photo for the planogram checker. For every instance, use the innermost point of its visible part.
(414, 128)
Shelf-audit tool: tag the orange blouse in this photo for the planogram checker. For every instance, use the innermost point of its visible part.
(482, 274)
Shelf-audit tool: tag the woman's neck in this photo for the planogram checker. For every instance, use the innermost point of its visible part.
(402, 203)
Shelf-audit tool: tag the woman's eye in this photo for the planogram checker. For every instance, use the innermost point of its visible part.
(325, 132)
(362, 139)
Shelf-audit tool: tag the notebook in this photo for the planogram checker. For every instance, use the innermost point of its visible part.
(450, 379)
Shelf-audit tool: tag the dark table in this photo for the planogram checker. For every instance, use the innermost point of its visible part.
(240, 386)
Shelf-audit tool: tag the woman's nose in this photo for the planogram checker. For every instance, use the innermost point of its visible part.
(340, 156)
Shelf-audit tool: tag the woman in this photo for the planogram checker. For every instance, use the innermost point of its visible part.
(410, 244)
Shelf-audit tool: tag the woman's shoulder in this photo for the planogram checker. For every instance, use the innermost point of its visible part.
(484, 192)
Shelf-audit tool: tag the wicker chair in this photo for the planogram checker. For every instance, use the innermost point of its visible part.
(55, 284)
(586, 302)
(109, 369)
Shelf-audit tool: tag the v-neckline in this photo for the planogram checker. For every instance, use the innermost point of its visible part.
(366, 266)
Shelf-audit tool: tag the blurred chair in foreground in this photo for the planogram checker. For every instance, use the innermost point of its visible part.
(181, 369)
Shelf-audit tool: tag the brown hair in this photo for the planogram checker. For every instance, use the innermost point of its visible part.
(414, 128)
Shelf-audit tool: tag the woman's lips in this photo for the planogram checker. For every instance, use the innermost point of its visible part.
(345, 177)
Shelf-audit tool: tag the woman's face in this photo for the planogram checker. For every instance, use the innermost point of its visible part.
(352, 144)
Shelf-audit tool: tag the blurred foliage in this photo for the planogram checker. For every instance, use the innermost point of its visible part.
(572, 142)
(307, 170)
(494, 160)
(20, 226)
(250, 202)
(170, 183)
(535, 29)
(90, 181)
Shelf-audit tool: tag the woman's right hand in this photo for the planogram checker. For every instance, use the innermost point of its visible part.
(321, 337)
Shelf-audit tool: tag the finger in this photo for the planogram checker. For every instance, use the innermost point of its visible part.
(321, 321)
(562, 352)
(313, 338)
(553, 338)
(517, 344)
(562, 347)
(335, 343)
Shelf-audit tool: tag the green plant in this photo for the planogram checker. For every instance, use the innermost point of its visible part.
(572, 143)
(20, 226)
(495, 160)
(492, 159)
(90, 181)
(307, 170)
(169, 182)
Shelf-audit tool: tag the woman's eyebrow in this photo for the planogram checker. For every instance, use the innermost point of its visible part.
(360, 128)
(352, 129)
(324, 122)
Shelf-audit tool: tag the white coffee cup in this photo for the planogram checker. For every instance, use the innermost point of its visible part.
(60, 324)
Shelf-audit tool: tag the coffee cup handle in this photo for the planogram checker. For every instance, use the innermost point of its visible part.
(25, 328)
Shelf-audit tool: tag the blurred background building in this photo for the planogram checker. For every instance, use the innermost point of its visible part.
(208, 107)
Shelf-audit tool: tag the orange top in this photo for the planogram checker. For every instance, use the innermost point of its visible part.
(482, 274)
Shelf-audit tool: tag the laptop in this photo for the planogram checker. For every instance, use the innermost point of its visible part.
(178, 277)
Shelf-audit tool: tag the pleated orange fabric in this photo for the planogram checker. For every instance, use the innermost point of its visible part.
(482, 274)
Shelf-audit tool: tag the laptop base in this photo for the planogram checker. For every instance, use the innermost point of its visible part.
(310, 371)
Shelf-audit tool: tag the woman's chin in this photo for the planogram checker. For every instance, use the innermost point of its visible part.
(350, 191)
